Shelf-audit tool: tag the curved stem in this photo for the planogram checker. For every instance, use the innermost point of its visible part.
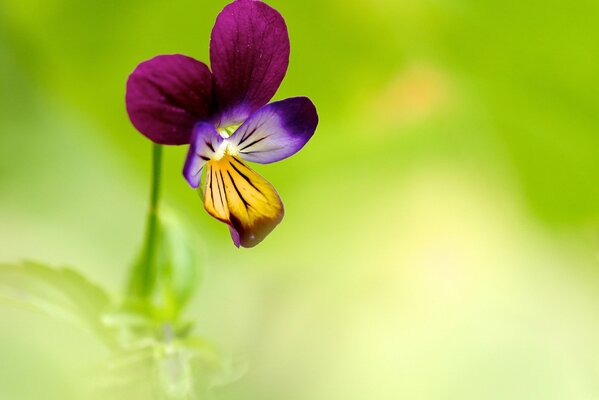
(152, 224)
(143, 277)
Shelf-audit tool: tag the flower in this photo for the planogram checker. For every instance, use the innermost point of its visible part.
(224, 116)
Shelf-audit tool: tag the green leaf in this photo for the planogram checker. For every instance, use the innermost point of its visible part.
(179, 272)
(57, 292)
(169, 281)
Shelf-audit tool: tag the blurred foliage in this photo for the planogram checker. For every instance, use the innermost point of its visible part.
(149, 342)
(59, 293)
(146, 348)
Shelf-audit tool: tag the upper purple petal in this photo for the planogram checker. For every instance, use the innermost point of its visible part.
(204, 142)
(249, 55)
(276, 131)
(167, 95)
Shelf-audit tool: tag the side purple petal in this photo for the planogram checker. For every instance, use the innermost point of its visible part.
(204, 142)
(167, 95)
(276, 131)
(249, 55)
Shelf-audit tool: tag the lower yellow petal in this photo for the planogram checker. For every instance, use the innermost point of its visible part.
(238, 196)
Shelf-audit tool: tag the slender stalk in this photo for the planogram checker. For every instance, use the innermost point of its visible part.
(143, 276)
(152, 224)
(156, 173)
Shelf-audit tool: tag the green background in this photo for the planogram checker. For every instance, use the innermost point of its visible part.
(440, 238)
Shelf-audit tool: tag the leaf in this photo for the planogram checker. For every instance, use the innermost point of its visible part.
(174, 273)
(179, 272)
(57, 292)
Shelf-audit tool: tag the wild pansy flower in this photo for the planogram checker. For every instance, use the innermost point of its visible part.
(224, 116)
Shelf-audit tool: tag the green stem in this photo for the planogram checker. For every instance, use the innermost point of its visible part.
(156, 172)
(152, 224)
(143, 276)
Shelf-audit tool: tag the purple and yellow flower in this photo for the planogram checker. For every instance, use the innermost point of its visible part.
(224, 117)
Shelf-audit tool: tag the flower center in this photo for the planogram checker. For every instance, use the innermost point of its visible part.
(226, 146)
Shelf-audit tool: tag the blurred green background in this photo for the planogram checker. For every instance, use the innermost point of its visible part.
(441, 230)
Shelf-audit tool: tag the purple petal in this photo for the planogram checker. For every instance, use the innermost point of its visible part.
(167, 95)
(276, 131)
(204, 143)
(249, 54)
(235, 236)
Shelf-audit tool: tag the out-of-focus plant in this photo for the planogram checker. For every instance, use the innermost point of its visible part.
(224, 116)
(153, 345)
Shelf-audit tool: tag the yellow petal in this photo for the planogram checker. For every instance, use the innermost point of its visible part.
(238, 196)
